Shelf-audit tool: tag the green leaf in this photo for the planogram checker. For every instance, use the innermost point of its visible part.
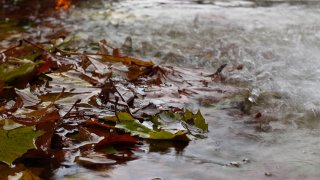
(200, 122)
(165, 135)
(15, 68)
(14, 143)
(129, 124)
(195, 119)
(123, 116)
(170, 120)
(135, 128)
(168, 116)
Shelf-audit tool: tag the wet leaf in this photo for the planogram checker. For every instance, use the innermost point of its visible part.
(40, 113)
(168, 119)
(27, 97)
(165, 135)
(94, 159)
(16, 69)
(128, 123)
(8, 124)
(45, 66)
(136, 71)
(19, 171)
(109, 150)
(135, 128)
(24, 175)
(14, 143)
(195, 119)
(124, 139)
(116, 52)
(126, 60)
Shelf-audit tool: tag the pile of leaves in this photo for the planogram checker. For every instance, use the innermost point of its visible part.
(60, 106)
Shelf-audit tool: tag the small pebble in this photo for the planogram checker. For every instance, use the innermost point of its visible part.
(245, 160)
(267, 174)
(235, 164)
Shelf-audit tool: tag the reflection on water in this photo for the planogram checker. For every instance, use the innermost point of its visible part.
(277, 44)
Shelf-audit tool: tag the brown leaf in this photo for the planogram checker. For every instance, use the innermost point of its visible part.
(48, 123)
(116, 52)
(127, 60)
(85, 62)
(107, 90)
(100, 129)
(89, 79)
(103, 44)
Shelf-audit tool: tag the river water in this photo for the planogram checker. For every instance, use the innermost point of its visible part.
(276, 42)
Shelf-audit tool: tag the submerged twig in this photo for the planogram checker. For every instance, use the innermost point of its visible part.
(218, 72)
(35, 45)
(115, 109)
(74, 105)
(13, 47)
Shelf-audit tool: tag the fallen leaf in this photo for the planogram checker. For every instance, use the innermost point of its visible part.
(9, 124)
(14, 143)
(27, 97)
(124, 139)
(17, 70)
(165, 135)
(135, 128)
(195, 119)
(24, 175)
(126, 60)
(129, 124)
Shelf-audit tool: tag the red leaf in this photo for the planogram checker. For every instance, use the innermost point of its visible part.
(117, 139)
(45, 67)
(93, 123)
(258, 115)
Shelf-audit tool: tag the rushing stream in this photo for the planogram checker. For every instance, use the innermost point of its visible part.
(276, 42)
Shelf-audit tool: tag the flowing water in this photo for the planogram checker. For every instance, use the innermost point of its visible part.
(276, 42)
